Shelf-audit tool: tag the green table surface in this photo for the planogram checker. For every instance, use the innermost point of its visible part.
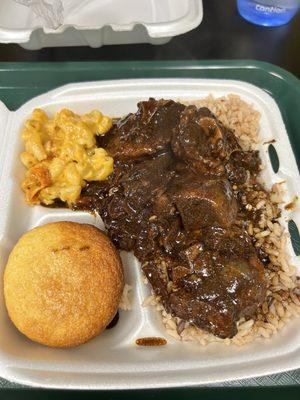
(20, 82)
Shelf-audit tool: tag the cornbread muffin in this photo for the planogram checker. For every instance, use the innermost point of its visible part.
(63, 283)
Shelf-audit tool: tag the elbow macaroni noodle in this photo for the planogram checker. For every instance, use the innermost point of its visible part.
(61, 155)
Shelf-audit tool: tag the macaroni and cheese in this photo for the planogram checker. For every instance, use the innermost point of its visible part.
(61, 155)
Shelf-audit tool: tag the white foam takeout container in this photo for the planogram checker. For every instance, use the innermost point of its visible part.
(112, 360)
(101, 22)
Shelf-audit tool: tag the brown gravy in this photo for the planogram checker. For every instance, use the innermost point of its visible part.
(151, 341)
(178, 198)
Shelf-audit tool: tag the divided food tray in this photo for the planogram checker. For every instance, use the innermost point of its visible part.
(112, 361)
(101, 22)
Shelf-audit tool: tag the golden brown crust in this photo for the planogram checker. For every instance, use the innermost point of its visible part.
(63, 283)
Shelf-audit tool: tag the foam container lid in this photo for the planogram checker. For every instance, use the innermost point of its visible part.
(101, 22)
(112, 360)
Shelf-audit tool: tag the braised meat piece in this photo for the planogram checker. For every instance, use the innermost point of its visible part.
(146, 132)
(201, 140)
(199, 261)
(203, 202)
(224, 286)
(127, 211)
(208, 307)
(146, 179)
(233, 241)
(171, 201)
(243, 280)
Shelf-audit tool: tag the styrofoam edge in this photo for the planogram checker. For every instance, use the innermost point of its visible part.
(150, 380)
(155, 30)
(4, 115)
(276, 364)
(4, 112)
(4, 144)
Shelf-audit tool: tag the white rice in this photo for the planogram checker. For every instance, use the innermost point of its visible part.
(125, 302)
